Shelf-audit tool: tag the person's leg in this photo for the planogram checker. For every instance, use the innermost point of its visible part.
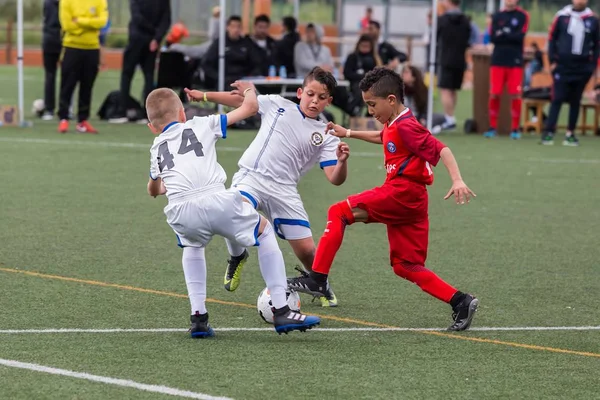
(148, 63)
(497, 81)
(69, 77)
(130, 61)
(90, 65)
(574, 97)
(50, 68)
(514, 88)
(560, 90)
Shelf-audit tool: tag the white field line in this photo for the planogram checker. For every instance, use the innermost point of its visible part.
(126, 145)
(171, 330)
(110, 381)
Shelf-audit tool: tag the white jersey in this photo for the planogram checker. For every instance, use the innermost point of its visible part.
(184, 154)
(288, 144)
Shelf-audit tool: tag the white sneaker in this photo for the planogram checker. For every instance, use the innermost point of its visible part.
(47, 116)
(121, 120)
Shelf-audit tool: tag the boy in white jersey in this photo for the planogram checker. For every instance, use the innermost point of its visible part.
(289, 143)
(183, 165)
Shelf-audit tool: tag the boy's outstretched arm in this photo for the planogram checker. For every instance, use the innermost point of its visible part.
(341, 132)
(336, 174)
(229, 99)
(249, 106)
(459, 188)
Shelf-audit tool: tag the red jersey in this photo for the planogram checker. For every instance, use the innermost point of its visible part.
(410, 149)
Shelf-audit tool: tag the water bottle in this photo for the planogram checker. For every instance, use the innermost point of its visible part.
(282, 72)
(336, 73)
(272, 71)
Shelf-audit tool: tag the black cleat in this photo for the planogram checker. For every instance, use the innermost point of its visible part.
(329, 300)
(463, 313)
(286, 320)
(200, 327)
(306, 284)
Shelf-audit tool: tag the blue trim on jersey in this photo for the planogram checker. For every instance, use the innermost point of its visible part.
(267, 140)
(179, 241)
(170, 125)
(327, 163)
(256, 232)
(277, 222)
(403, 165)
(303, 115)
(151, 177)
(224, 125)
(249, 197)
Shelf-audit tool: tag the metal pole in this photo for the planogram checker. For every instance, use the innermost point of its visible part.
(501, 5)
(20, 61)
(432, 63)
(386, 30)
(297, 10)
(222, 38)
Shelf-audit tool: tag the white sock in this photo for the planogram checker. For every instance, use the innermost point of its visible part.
(194, 269)
(235, 250)
(272, 266)
(450, 119)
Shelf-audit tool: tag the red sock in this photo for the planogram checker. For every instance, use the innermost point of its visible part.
(338, 216)
(515, 112)
(428, 281)
(494, 107)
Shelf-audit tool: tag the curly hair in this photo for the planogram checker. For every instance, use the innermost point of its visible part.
(383, 82)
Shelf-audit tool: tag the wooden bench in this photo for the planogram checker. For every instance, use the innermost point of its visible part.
(537, 124)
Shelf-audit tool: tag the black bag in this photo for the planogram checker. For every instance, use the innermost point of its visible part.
(540, 93)
(110, 108)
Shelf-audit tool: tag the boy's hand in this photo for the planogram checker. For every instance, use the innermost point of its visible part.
(343, 151)
(241, 86)
(335, 130)
(461, 192)
(194, 95)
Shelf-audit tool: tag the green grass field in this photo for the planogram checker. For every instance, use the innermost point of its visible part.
(84, 247)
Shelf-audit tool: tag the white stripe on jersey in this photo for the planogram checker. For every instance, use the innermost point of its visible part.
(288, 144)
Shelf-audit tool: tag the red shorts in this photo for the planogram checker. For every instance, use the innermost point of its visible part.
(402, 206)
(512, 77)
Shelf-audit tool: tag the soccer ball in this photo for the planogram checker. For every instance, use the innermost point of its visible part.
(264, 305)
(38, 107)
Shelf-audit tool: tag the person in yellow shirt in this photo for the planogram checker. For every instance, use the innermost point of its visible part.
(81, 22)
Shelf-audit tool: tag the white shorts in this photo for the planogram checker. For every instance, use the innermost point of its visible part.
(196, 216)
(281, 204)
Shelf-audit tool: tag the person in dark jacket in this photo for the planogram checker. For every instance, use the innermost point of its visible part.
(453, 35)
(362, 60)
(573, 54)
(508, 30)
(240, 58)
(51, 48)
(264, 44)
(284, 48)
(390, 56)
(150, 21)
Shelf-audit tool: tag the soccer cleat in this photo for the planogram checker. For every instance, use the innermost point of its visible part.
(63, 126)
(329, 300)
(233, 275)
(306, 284)
(86, 127)
(547, 139)
(200, 327)
(491, 133)
(286, 320)
(47, 116)
(463, 313)
(571, 141)
(515, 135)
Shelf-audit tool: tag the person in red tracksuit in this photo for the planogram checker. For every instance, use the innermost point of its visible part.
(401, 203)
(507, 33)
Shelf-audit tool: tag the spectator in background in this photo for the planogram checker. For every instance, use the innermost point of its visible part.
(362, 60)
(213, 24)
(390, 57)
(284, 49)
(509, 27)
(573, 53)
(475, 35)
(311, 53)
(264, 44)
(51, 48)
(453, 35)
(240, 58)
(81, 21)
(150, 21)
(363, 25)
(415, 97)
(177, 33)
(487, 39)
(534, 66)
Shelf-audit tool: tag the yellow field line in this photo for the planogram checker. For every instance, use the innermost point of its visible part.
(326, 317)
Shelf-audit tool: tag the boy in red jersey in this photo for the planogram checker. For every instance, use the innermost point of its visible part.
(400, 203)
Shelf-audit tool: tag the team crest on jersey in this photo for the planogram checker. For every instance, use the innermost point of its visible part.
(281, 110)
(515, 22)
(316, 139)
(391, 147)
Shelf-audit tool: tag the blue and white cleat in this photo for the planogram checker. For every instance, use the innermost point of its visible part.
(515, 135)
(490, 134)
(200, 328)
(286, 320)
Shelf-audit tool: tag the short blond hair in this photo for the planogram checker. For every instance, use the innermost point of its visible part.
(163, 106)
